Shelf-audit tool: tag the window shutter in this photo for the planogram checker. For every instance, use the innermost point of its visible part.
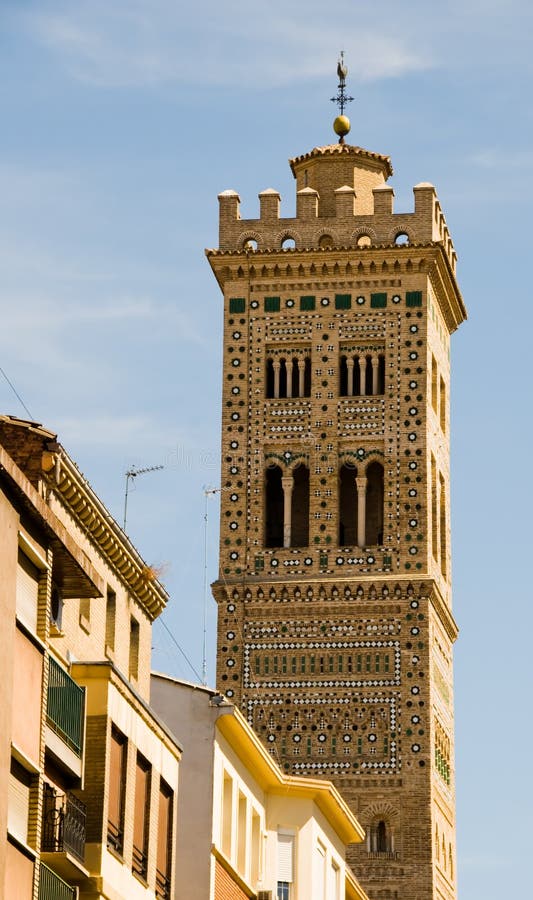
(27, 591)
(285, 856)
(164, 830)
(117, 788)
(307, 303)
(19, 803)
(272, 304)
(141, 815)
(378, 301)
(237, 304)
(413, 298)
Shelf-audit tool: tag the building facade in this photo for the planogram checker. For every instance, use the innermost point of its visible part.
(89, 777)
(246, 829)
(335, 625)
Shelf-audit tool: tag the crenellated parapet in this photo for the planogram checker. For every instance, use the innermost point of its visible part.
(342, 200)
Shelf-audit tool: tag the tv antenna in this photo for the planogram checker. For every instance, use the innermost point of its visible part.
(130, 475)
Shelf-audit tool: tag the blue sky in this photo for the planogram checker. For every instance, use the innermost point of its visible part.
(121, 122)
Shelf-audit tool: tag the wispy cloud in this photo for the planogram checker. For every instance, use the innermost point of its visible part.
(149, 42)
(495, 158)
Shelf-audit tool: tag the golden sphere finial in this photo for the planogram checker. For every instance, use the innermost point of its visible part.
(341, 126)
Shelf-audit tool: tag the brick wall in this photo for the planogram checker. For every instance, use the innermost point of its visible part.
(225, 887)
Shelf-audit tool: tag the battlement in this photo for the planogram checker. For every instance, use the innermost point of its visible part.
(342, 200)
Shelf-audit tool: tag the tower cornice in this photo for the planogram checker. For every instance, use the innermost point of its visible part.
(348, 264)
(375, 160)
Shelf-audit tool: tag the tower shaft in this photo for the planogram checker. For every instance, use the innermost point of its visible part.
(335, 627)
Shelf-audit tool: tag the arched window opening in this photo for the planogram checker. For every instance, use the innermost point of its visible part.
(283, 378)
(273, 508)
(364, 241)
(250, 245)
(294, 378)
(368, 376)
(343, 378)
(374, 505)
(347, 506)
(434, 510)
(325, 242)
(382, 842)
(270, 378)
(288, 243)
(300, 508)
(380, 837)
(401, 239)
(381, 374)
(443, 535)
(357, 378)
(307, 377)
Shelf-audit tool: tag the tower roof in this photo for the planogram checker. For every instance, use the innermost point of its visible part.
(375, 159)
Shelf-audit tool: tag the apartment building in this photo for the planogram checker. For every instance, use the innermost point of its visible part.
(246, 829)
(88, 773)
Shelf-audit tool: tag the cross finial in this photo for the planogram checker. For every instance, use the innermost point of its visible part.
(341, 99)
(341, 125)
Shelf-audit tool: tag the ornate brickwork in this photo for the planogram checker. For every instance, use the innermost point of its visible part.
(335, 629)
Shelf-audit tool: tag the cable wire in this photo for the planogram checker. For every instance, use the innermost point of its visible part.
(186, 658)
(16, 393)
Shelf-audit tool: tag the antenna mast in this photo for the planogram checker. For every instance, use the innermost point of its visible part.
(130, 474)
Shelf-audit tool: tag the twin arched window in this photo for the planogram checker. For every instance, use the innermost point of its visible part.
(380, 837)
(360, 510)
(362, 375)
(287, 507)
(288, 377)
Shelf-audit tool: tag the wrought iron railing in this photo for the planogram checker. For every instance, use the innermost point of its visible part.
(66, 701)
(52, 887)
(64, 823)
(383, 854)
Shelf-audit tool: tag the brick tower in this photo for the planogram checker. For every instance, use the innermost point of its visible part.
(335, 629)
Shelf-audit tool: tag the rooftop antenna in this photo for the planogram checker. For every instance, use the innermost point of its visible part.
(341, 125)
(130, 475)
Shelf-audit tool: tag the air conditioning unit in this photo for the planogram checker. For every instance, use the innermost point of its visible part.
(264, 895)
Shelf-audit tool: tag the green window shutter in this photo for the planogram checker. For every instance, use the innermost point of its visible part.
(259, 563)
(272, 304)
(343, 301)
(413, 298)
(378, 301)
(307, 303)
(237, 304)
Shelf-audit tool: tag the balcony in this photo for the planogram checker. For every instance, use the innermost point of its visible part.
(52, 887)
(66, 703)
(63, 836)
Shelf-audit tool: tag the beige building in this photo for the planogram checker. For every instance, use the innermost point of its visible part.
(246, 830)
(89, 775)
(335, 625)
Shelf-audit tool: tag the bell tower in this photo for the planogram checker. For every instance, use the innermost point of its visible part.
(335, 628)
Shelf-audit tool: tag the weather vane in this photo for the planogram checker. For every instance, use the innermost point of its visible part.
(341, 125)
